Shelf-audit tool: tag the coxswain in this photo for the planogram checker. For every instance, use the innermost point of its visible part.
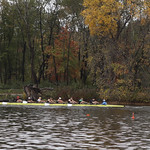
(104, 102)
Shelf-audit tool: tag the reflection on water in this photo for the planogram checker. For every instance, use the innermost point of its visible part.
(33, 127)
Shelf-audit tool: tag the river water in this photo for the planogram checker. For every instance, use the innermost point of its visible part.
(46, 128)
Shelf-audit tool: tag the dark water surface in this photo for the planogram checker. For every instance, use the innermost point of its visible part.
(44, 127)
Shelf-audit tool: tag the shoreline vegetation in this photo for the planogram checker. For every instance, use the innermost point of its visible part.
(137, 98)
(66, 46)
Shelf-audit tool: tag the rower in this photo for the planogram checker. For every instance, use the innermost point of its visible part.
(29, 100)
(39, 100)
(93, 101)
(51, 101)
(71, 101)
(80, 100)
(60, 101)
(18, 100)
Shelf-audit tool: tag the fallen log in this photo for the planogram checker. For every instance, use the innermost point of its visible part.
(33, 92)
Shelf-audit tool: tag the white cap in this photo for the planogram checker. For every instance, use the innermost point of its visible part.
(103, 100)
(59, 97)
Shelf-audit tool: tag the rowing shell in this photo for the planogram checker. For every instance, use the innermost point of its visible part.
(47, 104)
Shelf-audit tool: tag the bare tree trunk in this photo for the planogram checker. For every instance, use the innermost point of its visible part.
(55, 70)
(33, 74)
(32, 92)
(68, 55)
(23, 62)
(85, 57)
(5, 74)
(9, 67)
(42, 67)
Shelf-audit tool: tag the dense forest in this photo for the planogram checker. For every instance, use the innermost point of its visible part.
(104, 44)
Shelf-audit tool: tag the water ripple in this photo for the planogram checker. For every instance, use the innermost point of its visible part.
(70, 128)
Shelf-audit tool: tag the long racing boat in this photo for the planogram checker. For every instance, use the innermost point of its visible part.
(67, 105)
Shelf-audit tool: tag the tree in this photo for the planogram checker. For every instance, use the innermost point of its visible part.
(7, 43)
(121, 33)
(63, 67)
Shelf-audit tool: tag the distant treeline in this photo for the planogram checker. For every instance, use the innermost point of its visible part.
(105, 44)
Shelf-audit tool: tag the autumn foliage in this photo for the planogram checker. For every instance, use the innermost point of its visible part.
(103, 44)
(106, 17)
(64, 50)
(121, 28)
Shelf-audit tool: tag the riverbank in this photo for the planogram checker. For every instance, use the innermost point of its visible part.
(141, 99)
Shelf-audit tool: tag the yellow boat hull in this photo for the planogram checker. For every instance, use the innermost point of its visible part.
(47, 104)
